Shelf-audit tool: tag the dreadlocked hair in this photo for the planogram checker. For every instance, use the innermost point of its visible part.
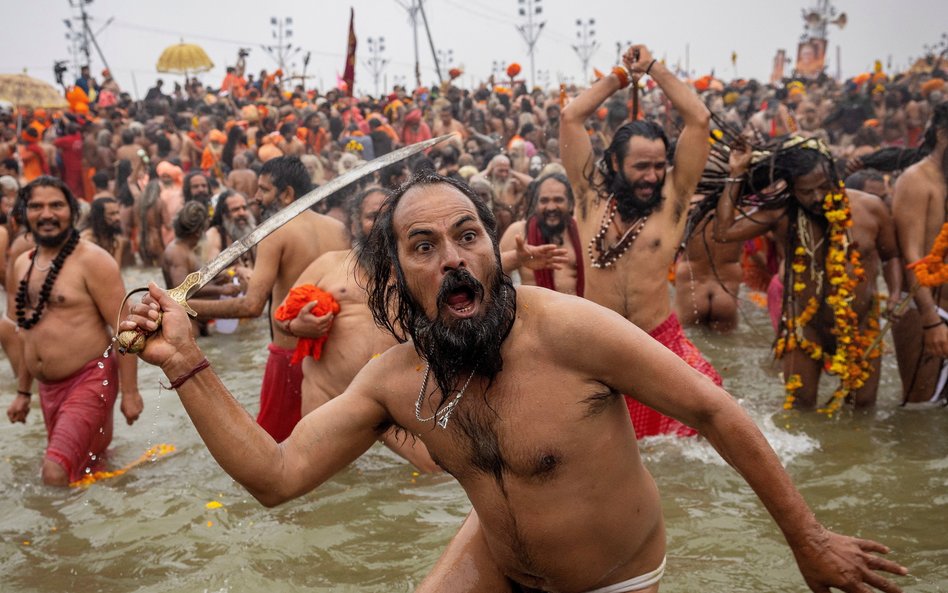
(892, 159)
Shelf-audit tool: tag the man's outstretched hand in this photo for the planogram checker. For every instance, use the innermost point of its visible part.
(830, 560)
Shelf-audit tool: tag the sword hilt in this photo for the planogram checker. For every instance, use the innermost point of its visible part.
(132, 341)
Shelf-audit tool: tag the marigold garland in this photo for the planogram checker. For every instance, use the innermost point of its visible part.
(151, 454)
(844, 272)
(931, 270)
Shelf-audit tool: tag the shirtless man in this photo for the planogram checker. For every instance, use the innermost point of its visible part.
(708, 278)
(918, 207)
(180, 257)
(105, 228)
(509, 187)
(541, 445)
(281, 258)
(232, 221)
(242, 179)
(69, 291)
(801, 228)
(552, 223)
(353, 336)
(631, 210)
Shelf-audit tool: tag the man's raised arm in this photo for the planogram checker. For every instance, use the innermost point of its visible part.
(323, 443)
(692, 149)
(575, 146)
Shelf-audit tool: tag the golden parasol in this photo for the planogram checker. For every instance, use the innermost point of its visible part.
(184, 58)
(26, 91)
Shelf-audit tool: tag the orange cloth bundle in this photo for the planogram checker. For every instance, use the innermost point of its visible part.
(299, 297)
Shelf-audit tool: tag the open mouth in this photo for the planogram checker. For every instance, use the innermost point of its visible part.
(461, 301)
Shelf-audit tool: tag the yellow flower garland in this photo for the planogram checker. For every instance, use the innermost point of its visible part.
(844, 271)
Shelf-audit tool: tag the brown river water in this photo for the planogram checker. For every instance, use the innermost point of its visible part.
(379, 527)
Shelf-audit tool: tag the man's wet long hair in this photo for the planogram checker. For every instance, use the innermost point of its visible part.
(603, 183)
(892, 159)
(393, 307)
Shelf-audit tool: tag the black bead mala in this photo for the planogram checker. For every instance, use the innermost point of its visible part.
(46, 289)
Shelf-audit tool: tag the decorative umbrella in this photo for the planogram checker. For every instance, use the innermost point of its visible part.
(25, 91)
(184, 58)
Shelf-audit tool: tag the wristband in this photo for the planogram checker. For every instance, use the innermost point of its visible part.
(733, 179)
(932, 326)
(649, 69)
(183, 378)
(25, 393)
(622, 74)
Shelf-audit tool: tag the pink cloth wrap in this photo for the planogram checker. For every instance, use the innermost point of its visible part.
(281, 393)
(648, 422)
(78, 415)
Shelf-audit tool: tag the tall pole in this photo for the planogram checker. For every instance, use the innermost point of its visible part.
(413, 7)
(376, 62)
(434, 54)
(530, 31)
(89, 35)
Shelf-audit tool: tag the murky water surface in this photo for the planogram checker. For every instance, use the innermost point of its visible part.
(376, 527)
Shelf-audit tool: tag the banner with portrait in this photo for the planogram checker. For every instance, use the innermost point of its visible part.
(811, 58)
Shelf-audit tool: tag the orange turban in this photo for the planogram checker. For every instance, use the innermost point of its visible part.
(268, 152)
(166, 168)
(299, 297)
(935, 84)
(216, 136)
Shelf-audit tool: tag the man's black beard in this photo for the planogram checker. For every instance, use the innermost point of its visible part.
(464, 345)
(54, 241)
(268, 210)
(202, 198)
(552, 233)
(628, 205)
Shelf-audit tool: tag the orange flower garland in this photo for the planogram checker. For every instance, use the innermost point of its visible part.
(931, 269)
(844, 272)
(152, 454)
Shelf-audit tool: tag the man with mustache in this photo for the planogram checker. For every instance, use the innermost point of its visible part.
(281, 257)
(551, 223)
(232, 221)
(105, 228)
(632, 207)
(542, 445)
(68, 293)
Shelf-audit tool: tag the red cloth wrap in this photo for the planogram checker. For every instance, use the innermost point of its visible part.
(280, 394)
(544, 278)
(299, 297)
(78, 415)
(648, 422)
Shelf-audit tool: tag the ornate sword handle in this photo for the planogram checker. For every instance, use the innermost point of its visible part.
(133, 341)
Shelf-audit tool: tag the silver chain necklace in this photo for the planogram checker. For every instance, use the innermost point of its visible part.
(442, 415)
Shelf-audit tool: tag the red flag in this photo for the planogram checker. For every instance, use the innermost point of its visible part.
(348, 76)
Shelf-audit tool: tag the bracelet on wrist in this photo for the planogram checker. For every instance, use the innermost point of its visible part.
(184, 378)
(649, 69)
(24, 393)
(734, 179)
(933, 325)
(623, 75)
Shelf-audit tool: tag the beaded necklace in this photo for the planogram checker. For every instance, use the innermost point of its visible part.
(46, 290)
(608, 256)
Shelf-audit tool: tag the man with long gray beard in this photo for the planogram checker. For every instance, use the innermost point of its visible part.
(542, 445)
(631, 209)
(232, 221)
(281, 257)
(550, 199)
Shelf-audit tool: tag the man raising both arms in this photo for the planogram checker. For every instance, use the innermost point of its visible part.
(542, 445)
(631, 209)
